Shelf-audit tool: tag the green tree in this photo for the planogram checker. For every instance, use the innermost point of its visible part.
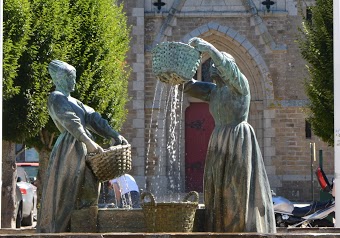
(93, 36)
(101, 65)
(316, 45)
(16, 30)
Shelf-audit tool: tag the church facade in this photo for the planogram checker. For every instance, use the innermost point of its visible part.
(262, 38)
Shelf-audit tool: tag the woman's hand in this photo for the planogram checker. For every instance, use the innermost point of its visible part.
(93, 147)
(199, 44)
(204, 46)
(120, 140)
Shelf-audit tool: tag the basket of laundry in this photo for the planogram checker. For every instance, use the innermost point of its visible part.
(169, 216)
(113, 162)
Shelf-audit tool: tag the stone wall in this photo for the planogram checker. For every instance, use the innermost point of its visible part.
(293, 159)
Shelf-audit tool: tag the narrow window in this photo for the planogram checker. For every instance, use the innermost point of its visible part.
(308, 130)
(206, 71)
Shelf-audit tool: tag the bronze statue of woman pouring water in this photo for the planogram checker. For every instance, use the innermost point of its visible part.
(237, 193)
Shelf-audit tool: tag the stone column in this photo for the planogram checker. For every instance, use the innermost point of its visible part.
(134, 128)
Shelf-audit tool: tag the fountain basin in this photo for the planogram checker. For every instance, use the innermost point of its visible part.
(121, 220)
(104, 220)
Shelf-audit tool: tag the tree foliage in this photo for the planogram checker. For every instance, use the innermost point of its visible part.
(93, 36)
(316, 45)
(16, 29)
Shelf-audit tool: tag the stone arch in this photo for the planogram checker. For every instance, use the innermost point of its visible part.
(246, 55)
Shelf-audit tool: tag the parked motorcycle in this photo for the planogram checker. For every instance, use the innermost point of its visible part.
(312, 215)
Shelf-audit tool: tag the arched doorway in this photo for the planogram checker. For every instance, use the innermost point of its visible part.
(198, 128)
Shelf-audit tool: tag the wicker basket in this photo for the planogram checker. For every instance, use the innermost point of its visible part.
(113, 163)
(176, 60)
(170, 217)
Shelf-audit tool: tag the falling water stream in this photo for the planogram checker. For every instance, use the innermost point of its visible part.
(163, 164)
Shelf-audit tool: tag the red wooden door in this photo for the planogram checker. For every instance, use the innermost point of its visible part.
(198, 127)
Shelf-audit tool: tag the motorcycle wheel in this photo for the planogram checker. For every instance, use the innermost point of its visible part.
(279, 221)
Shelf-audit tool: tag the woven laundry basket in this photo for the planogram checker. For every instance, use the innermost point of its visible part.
(169, 216)
(176, 60)
(111, 164)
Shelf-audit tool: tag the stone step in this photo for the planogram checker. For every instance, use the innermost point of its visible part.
(302, 233)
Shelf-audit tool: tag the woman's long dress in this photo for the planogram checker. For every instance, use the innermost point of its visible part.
(69, 183)
(237, 193)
